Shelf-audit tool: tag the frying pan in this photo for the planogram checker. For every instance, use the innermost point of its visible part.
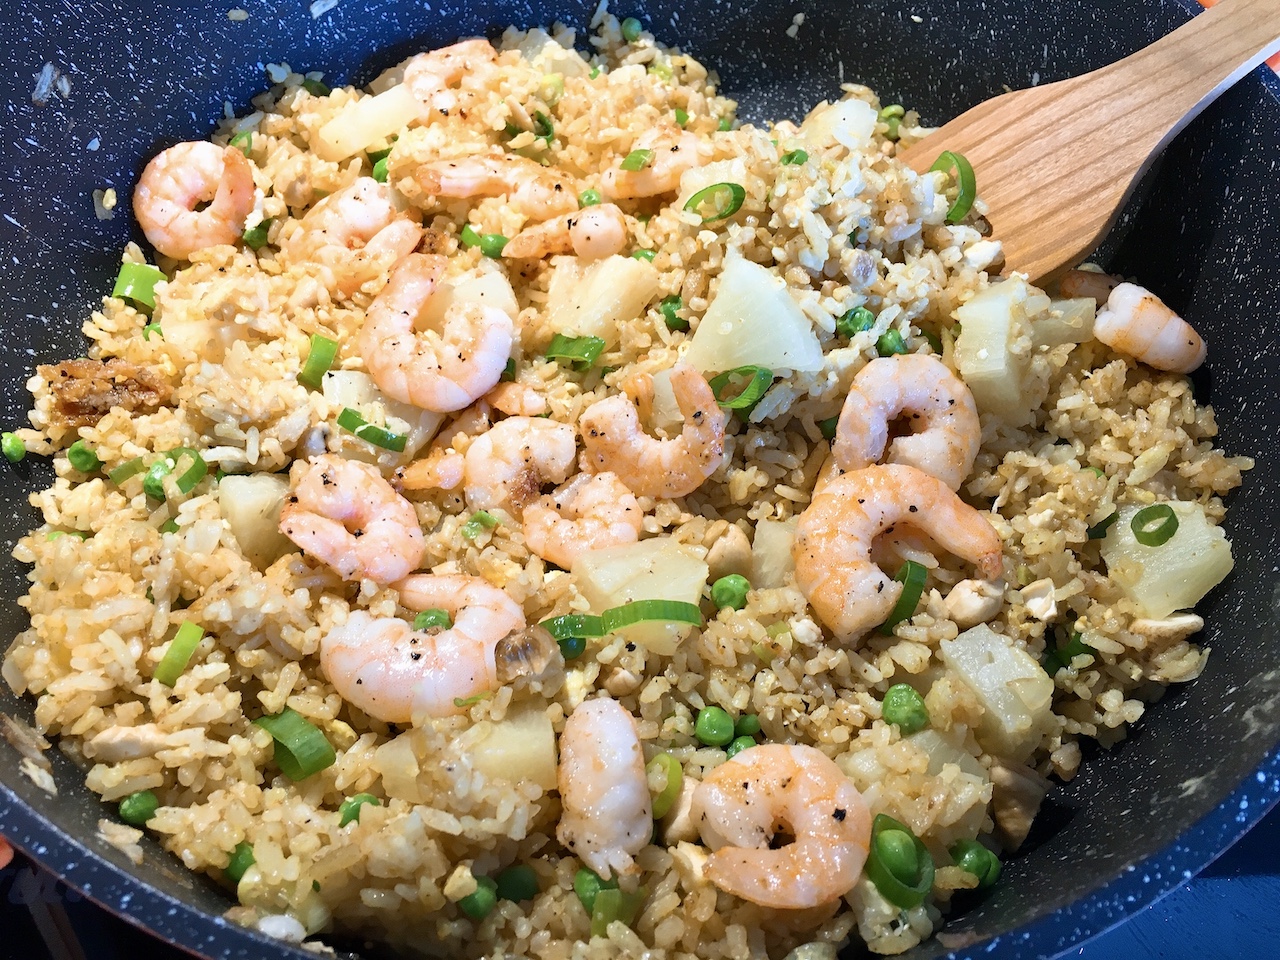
(1198, 770)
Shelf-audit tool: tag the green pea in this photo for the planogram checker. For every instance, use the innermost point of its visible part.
(897, 851)
(670, 315)
(714, 727)
(435, 617)
(571, 648)
(631, 28)
(973, 857)
(890, 343)
(725, 124)
(349, 809)
(517, 883)
(478, 904)
(12, 448)
(905, 707)
(138, 808)
(748, 725)
(737, 745)
(80, 456)
(589, 198)
(587, 883)
(241, 860)
(730, 591)
(855, 321)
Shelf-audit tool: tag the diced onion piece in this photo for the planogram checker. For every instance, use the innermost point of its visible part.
(365, 122)
(301, 748)
(850, 123)
(176, 658)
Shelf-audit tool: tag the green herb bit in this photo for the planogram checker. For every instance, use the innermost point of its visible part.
(349, 809)
(320, 357)
(661, 70)
(903, 706)
(130, 468)
(670, 309)
(181, 648)
(491, 245)
(244, 141)
(169, 526)
(479, 521)
(828, 426)
(793, 158)
(138, 808)
(730, 591)
(596, 71)
(637, 160)
(682, 116)
(582, 352)
(301, 748)
(435, 617)
(380, 170)
(315, 88)
(508, 371)
(241, 860)
(150, 330)
(855, 321)
(352, 421)
(1154, 526)
(469, 237)
(80, 456)
(613, 904)
(912, 576)
(137, 282)
(725, 124)
(645, 255)
(480, 902)
(463, 703)
(574, 625)
(1099, 529)
(631, 28)
(759, 379)
(255, 238)
(714, 727)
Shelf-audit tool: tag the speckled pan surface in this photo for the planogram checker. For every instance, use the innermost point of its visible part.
(1201, 767)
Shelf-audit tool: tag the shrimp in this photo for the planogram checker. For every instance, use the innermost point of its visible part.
(358, 233)
(674, 152)
(590, 512)
(441, 371)
(1093, 284)
(607, 813)
(740, 806)
(517, 400)
(431, 76)
(345, 514)
(397, 674)
(936, 399)
(440, 469)
(509, 464)
(615, 440)
(533, 190)
(1135, 322)
(177, 181)
(591, 234)
(832, 549)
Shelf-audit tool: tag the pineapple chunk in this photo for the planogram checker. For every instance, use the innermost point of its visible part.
(488, 288)
(351, 388)
(850, 123)
(251, 506)
(1066, 321)
(1015, 692)
(522, 746)
(656, 569)
(753, 321)
(993, 350)
(1174, 575)
(771, 560)
(591, 301)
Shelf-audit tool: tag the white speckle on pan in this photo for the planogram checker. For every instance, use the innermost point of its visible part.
(43, 91)
(93, 144)
(917, 19)
(321, 7)
(796, 23)
(236, 14)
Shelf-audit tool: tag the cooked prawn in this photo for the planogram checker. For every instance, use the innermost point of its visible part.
(397, 674)
(432, 76)
(533, 190)
(508, 465)
(740, 806)
(591, 234)
(517, 399)
(674, 152)
(940, 406)
(590, 512)
(1136, 322)
(441, 371)
(615, 441)
(177, 181)
(440, 469)
(358, 233)
(345, 514)
(834, 537)
(1093, 284)
(607, 814)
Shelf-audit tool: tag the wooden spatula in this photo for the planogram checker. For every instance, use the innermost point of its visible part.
(1056, 163)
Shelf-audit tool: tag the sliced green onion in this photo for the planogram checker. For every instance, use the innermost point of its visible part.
(571, 648)
(241, 860)
(855, 321)
(137, 281)
(463, 702)
(892, 110)
(480, 902)
(898, 863)
(682, 116)
(1063, 653)
(543, 128)
(130, 468)
(12, 447)
(518, 883)
(1155, 525)
(645, 255)
(587, 883)
(595, 72)
(794, 158)
(152, 330)
(574, 625)
(255, 238)
(725, 124)
(589, 198)
(380, 170)
(935, 342)
(904, 707)
(730, 591)
(349, 809)
(660, 69)
(966, 183)
(479, 521)
(670, 308)
(176, 658)
(315, 88)
(665, 769)
(893, 132)
(169, 526)
(351, 421)
(759, 379)
(642, 611)
(376, 155)
(912, 577)
(153, 482)
(724, 199)
(582, 351)
(972, 857)
(631, 28)
(828, 426)
(551, 89)
(435, 617)
(138, 808)
(243, 140)
(613, 904)
(319, 361)
(75, 534)
(80, 456)
(468, 236)
(509, 371)
(301, 747)
(637, 160)
(491, 245)
(1099, 529)
(890, 343)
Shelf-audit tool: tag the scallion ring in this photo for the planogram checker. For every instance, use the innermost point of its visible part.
(898, 863)
(130, 468)
(301, 747)
(794, 158)
(724, 200)
(255, 238)
(479, 521)
(176, 658)
(640, 611)
(966, 183)
(574, 625)
(664, 769)
(759, 379)
(319, 361)
(1099, 529)
(1155, 525)
(137, 281)
(352, 421)
(912, 577)
(636, 160)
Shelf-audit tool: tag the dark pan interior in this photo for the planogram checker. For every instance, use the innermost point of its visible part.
(1198, 770)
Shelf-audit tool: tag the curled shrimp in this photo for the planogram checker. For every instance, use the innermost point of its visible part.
(358, 233)
(834, 536)
(593, 233)
(397, 674)
(532, 189)
(431, 77)
(590, 512)
(517, 399)
(615, 441)
(508, 465)
(941, 410)
(177, 181)
(674, 152)
(441, 371)
(1136, 322)
(345, 514)
(607, 813)
(741, 804)
(440, 469)
(1093, 284)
